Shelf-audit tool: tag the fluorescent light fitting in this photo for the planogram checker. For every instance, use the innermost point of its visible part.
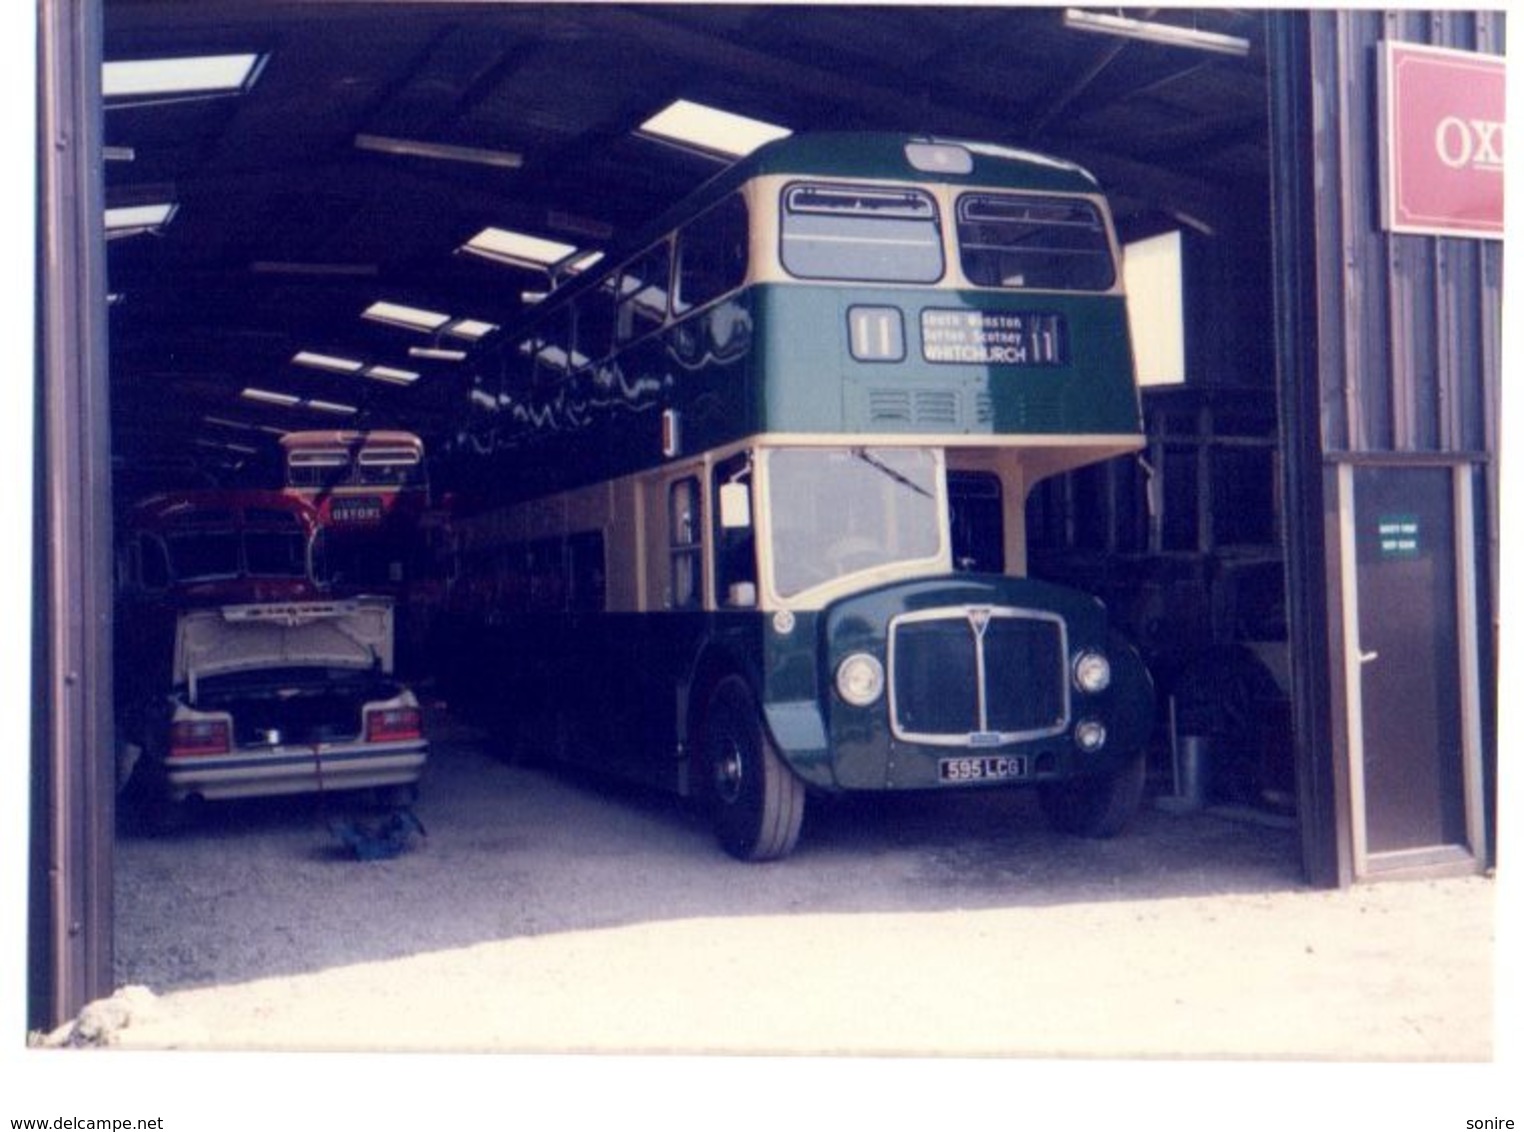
(518, 249)
(227, 422)
(118, 153)
(140, 217)
(196, 74)
(1167, 35)
(270, 397)
(575, 225)
(226, 446)
(436, 353)
(392, 375)
(711, 131)
(291, 267)
(439, 151)
(409, 318)
(326, 362)
(330, 407)
(245, 426)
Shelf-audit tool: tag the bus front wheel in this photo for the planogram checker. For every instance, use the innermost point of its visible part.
(756, 802)
(1098, 805)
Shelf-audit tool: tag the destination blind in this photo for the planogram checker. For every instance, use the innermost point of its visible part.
(1005, 338)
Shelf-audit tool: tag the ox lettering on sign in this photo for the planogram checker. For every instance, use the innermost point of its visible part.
(1442, 141)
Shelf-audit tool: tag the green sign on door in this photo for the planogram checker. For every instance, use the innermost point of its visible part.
(1398, 536)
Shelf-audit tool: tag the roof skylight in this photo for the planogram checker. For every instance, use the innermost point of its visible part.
(392, 374)
(130, 219)
(710, 131)
(330, 407)
(518, 249)
(427, 321)
(436, 353)
(409, 318)
(291, 401)
(326, 362)
(242, 426)
(471, 328)
(270, 397)
(189, 75)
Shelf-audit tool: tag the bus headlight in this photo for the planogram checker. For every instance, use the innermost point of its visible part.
(1089, 735)
(860, 679)
(1092, 672)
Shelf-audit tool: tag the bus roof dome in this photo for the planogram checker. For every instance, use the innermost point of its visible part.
(900, 156)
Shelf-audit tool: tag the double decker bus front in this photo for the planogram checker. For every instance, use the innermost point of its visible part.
(886, 669)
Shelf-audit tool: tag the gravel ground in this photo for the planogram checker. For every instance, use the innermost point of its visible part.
(551, 913)
(578, 916)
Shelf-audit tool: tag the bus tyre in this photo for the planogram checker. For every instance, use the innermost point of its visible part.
(756, 802)
(1097, 805)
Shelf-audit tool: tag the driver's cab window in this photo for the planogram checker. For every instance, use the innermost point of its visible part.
(735, 544)
(976, 516)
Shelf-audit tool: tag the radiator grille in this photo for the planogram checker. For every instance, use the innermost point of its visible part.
(972, 676)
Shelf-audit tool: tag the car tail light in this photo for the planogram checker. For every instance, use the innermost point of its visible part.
(385, 725)
(198, 737)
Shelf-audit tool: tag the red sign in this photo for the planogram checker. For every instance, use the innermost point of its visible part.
(1442, 147)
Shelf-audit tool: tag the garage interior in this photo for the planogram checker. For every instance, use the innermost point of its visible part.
(364, 150)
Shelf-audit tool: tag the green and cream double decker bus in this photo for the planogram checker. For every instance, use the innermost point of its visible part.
(742, 509)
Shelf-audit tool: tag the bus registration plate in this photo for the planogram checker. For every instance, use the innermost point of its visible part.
(981, 768)
(356, 509)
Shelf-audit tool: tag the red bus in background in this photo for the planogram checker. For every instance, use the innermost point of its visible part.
(370, 492)
(215, 547)
(379, 532)
(239, 672)
(357, 479)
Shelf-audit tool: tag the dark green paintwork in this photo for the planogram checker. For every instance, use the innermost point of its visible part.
(863, 755)
(775, 357)
(624, 691)
(646, 674)
(786, 367)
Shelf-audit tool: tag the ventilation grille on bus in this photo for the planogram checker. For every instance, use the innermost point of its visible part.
(914, 408)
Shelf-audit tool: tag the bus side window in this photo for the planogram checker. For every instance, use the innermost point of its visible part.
(685, 551)
(711, 255)
(593, 322)
(642, 300)
(587, 574)
(547, 576)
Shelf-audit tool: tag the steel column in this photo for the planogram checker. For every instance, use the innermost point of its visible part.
(73, 743)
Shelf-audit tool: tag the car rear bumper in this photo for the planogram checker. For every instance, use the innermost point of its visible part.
(266, 771)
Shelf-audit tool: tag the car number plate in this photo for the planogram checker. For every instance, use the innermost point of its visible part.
(981, 768)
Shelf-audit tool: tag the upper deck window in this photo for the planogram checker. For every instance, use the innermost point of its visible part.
(711, 255)
(388, 467)
(640, 295)
(317, 468)
(862, 233)
(1034, 243)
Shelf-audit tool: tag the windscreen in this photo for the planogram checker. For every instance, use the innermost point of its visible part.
(841, 511)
